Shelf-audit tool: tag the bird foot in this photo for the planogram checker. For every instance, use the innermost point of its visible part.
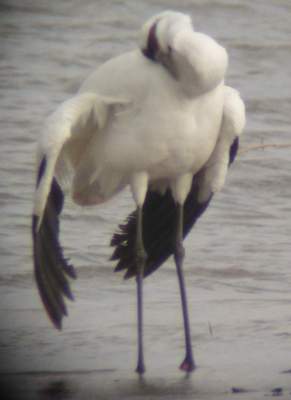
(188, 364)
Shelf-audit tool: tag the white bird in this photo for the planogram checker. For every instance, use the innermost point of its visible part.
(158, 119)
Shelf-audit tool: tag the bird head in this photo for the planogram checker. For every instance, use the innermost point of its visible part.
(157, 37)
(158, 33)
(169, 39)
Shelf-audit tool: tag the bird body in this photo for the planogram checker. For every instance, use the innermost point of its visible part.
(180, 137)
(159, 119)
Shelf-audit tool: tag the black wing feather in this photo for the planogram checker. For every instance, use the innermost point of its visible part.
(158, 226)
(51, 269)
(158, 230)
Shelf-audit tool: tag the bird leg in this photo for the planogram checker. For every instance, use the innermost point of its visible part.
(140, 262)
(188, 364)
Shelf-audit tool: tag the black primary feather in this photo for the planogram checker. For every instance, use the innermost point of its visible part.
(51, 269)
(233, 150)
(159, 226)
(41, 170)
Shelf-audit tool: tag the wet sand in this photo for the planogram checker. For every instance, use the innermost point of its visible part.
(239, 351)
(113, 385)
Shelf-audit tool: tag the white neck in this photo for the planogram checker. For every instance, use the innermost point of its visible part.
(199, 62)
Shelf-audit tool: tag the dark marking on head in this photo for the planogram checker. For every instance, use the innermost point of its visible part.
(41, 170)
(152, 44)
(233, 150)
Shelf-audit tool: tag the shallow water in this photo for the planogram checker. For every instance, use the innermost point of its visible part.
(238, 258)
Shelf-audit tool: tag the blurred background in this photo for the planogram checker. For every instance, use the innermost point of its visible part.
(238, 258)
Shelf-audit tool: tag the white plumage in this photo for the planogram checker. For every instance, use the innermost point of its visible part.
(159, 117)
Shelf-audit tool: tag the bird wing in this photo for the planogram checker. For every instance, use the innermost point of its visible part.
(74, 122)
(159, 222)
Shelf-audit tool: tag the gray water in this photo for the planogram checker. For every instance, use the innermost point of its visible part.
(238, 266)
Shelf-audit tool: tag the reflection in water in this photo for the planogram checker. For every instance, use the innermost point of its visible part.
(58, 390)
(96, 385)
(105, 388)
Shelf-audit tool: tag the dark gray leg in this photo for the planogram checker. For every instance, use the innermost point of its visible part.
(188, 364)
(140, 260)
